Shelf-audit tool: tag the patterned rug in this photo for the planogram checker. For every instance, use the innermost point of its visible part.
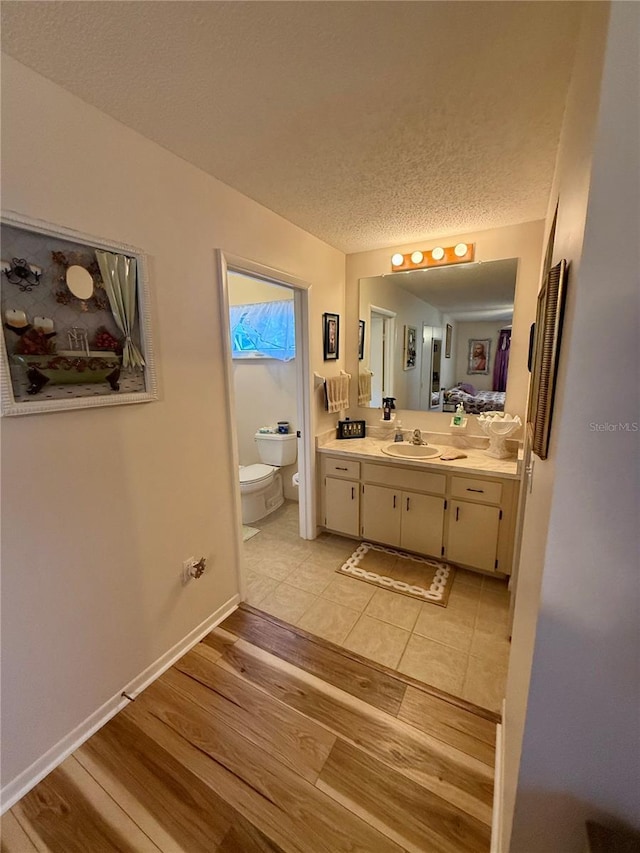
(397, 571)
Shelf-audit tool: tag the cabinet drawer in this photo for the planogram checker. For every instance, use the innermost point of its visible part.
(483, 491)
(404, 478)
(336, 467)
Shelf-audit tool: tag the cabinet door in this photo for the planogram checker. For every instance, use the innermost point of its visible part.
(381, 514)
(422, 523)
(472, 538)
(341, 505)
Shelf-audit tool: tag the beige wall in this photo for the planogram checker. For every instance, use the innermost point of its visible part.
(101, 506)
(516, 241)
(579, 754)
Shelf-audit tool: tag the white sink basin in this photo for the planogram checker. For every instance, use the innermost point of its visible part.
(412, 451)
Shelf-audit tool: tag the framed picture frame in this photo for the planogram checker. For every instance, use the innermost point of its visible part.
(331, 336)
(409, 355)
(479, 356)
(546, 351)
(361, 327)
(447, 340)
(76, 325)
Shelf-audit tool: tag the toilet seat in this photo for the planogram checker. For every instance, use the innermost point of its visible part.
(252, 474)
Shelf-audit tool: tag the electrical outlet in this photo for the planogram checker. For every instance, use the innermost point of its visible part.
(187, 566)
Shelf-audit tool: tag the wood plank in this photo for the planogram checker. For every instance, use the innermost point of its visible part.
(283, 806)
(13, 838)
(243, 837)
(462, 729)
(218, 640)
(414, 818)
(167, 800)
(304, 639)
(438, 767)
(320, 659)
(300, 743)
(68, 811)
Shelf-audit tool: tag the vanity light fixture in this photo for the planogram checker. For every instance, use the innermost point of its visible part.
(462, 253)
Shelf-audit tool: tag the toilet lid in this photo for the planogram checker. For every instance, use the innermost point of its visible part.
(254, 473)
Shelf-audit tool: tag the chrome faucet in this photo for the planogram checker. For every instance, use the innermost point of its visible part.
(417, 437)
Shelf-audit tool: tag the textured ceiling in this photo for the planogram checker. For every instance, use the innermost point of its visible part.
(368, 124)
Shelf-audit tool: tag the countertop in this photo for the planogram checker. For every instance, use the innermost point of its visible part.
(476, 462)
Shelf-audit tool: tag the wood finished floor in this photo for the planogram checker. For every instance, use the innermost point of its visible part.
(263, 739)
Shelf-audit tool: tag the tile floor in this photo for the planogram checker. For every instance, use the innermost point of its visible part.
(462, 648)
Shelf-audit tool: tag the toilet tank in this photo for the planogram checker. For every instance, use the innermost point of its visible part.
(276, 449)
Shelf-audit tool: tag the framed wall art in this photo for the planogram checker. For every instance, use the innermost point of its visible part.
(546, 351)
(479, 355)
(447, 341)
(76, 329)
(331, 336)
(409, 355)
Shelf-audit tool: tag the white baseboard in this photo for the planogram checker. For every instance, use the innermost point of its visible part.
(25, 781)
(498, 788)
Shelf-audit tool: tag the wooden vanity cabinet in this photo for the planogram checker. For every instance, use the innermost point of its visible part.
(472, 535)
(381, 514)
(422, 523)
(343, 506)
(342, 496)
(474, 523)
(408, 520)
(467, 519)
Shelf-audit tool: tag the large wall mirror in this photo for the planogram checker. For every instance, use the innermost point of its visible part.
(438, 338)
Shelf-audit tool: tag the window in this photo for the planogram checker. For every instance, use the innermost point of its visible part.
(263, 330)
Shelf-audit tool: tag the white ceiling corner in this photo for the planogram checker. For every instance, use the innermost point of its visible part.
(367, 124)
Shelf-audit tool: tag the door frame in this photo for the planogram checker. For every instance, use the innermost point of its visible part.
(389, 346)
(225, 262)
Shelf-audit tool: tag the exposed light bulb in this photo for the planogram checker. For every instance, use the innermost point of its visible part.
(417, 257)
(438, 253)
(397, 259)
(461, 250)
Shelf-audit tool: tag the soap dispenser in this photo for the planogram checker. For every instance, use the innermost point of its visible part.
(459, 415)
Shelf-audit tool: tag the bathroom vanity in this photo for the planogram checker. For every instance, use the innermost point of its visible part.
(463, 511)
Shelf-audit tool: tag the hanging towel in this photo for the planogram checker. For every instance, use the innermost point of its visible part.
(336, 389)
(364, 388)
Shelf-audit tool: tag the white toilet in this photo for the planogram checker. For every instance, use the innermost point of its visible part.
(261, 484)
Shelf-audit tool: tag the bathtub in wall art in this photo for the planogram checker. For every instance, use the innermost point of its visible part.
(70, 368)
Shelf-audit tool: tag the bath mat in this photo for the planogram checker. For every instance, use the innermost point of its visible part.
(397, 571)
(248, 532)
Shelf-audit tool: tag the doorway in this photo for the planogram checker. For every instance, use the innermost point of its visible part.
(382, 325)
(264, 279)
